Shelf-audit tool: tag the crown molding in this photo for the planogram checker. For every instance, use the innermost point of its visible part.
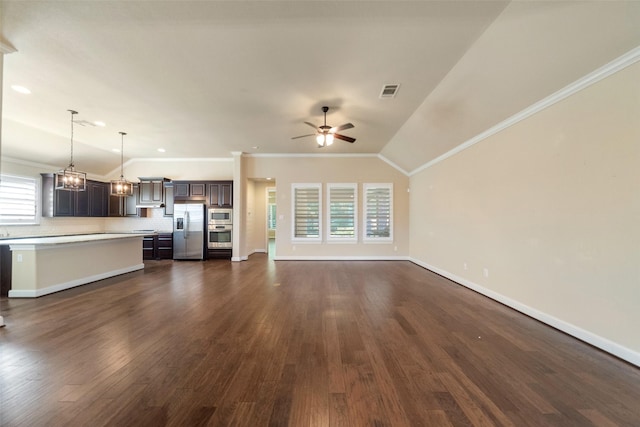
(6, 48)
(599, 74)
(29, 163)
(393, 165)
(299, 155)
(168, 160)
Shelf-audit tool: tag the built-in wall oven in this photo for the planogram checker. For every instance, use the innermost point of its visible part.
(219, 228)
(219, 236)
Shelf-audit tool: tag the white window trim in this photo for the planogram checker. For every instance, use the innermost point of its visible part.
(38, 197)
(293, 213)
(365, 238)
(334, 239)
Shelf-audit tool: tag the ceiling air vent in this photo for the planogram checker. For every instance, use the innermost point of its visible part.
(389, 91)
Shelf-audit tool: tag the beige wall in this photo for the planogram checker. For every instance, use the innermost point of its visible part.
(551, 207)
(338, 169)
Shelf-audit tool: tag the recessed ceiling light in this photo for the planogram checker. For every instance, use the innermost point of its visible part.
(268, 179)
(256, 147)
(99, 123)
(161, 150)
(21, 89)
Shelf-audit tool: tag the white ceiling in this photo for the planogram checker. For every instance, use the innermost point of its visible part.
(205, 78)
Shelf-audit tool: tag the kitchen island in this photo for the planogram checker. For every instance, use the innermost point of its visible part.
(43, 265)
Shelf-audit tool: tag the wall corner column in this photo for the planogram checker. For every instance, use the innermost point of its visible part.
(4, 49)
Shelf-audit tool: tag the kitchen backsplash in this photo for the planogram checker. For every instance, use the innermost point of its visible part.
(61, 225)
(54, 227)
(155, 220)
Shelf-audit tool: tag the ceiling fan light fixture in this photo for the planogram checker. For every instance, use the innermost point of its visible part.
(121, 187)
(69, 179)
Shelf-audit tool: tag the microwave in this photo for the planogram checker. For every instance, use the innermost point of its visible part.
(220, 216)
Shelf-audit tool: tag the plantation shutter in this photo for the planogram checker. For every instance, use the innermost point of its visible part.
(307, 212)
(18, 200)
(342, 212)
(378, 211)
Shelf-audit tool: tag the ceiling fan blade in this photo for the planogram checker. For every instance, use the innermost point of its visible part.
(342, 127)
(344, 138)
(302, 136)
(312, 125)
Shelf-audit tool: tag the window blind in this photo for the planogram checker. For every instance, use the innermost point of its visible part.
(18, 200)
(342, 212)
(307, 212)
(378, 211)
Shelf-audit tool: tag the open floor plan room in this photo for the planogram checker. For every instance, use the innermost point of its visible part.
(297, 343)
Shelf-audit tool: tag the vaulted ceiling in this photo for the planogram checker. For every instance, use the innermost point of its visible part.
(203, 79)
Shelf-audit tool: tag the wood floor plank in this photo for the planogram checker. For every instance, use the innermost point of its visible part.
(335, 343)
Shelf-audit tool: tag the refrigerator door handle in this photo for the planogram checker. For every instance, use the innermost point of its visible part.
(186, 228)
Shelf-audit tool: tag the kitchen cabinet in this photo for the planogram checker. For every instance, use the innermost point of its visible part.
(5, 270)
(152, 191)
(149, 247)
(220, 194)
(213, 193)
(168, 198)
(59, 203)
(190, 190)
(165, 246)
(180, 190)
(197, 190)
(98, 198)
(158, 246)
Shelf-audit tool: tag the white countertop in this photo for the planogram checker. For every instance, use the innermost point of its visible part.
(76, 238)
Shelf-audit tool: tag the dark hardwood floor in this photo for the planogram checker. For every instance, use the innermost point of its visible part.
(264, 343)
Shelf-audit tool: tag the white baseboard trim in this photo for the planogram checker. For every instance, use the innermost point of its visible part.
(18, 293)
(1, 321)
(341, 258)
(239, 258)
(611, 347)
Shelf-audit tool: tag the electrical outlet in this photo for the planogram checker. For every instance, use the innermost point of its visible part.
(485, 272)
(19, 258)
(465, 266)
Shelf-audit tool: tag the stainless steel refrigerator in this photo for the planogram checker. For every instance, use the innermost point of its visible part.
(188, 231)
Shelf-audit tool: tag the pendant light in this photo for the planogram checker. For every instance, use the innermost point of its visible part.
(69, 178)
(121, 187)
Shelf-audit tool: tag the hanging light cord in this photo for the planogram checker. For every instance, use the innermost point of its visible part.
(122, 156)
(71, 160)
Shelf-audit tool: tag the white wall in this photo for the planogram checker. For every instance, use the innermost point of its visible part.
(551, 207)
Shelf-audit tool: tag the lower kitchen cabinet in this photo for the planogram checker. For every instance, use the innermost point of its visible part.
(219, 253)
(159, 246)
(165, 246)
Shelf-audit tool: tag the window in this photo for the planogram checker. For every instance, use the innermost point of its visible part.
(342, 201)
(307, 208)
(378, 212)
(18, 200)
(271, 208)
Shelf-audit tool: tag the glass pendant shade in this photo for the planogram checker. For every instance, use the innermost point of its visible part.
(69, 179)
(324, 139)
(121, 187)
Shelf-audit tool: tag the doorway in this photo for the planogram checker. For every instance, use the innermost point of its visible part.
(272, 221)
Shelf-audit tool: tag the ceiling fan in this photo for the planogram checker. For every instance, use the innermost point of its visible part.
(325, 134)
